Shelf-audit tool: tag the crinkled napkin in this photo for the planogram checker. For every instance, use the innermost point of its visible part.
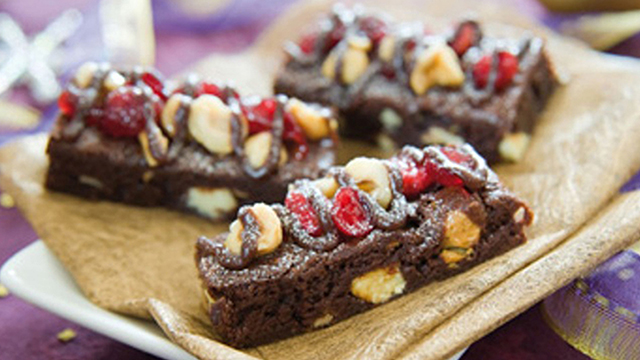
(140, 262)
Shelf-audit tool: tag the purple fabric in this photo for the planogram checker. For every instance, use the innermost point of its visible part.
(30, 333)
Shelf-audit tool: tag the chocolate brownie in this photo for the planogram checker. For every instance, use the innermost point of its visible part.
(398, 83)
(197, 146)
(358, 237)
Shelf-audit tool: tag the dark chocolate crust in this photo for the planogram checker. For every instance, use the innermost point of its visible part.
(296, 289)
(482, 121)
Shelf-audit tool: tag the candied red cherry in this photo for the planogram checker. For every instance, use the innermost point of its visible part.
(374, 28)
(156, 85)
(293, 133)
(307, 42)
(349, 214)
(457, 156)
(260, 116)
(300, 206)
(415, 177)
(467, 35)
(208, 88)
(124, 112)
(334, 37)
(67, 103)
(444, 177)
(507, 69)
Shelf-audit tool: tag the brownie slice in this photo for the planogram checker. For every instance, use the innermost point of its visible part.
(358, 237)
(397, 83)
(196, 146)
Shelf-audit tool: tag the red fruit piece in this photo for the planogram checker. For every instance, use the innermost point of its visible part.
(124, 112)
(94, 116)
(334, 37)
(349, 215)
(307, 42)
(208, 88)
(154, 82)
(445, 177)
(293, 133)
(467, 35)
(507, 69)
(374, 28)
(67, 103)
(260, 116)
(415, 178)
(300, 206)
(456, 156)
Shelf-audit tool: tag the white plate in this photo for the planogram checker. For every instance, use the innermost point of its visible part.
(37, 276)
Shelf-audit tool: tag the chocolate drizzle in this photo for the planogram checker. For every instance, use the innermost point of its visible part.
(249, 248)
(92, 97)
(277, 129)
(474, 174)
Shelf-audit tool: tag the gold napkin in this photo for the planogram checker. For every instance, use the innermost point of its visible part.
(140, 261)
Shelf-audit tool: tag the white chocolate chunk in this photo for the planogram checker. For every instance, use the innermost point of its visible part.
(213, 203)
(513, 146)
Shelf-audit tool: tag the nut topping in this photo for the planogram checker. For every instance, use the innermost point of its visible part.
(154, 145)
(387, 48)
(379, 285)
(270, 229)
(168, 116)
(354, 63)
(84, 74)
(372, 176)
(359, 43)
(114, 80)
(313, 122)
(257, 147)
(210, 124)
(329, 66)
(327, 185)
(438, 65)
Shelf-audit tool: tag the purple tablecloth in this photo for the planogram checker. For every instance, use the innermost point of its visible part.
(29, 333)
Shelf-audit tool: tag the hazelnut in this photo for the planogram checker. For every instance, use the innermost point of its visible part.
(354, 64)
(168, 116)
(387, 48)
(313, 122)
(379, 285)
(436, 65)
(329, 66)
(154, 145)
(438, 135)
(210, 124)
(513, 146)
(84, 74)
(460, 231)
(372, 176)
(327, 185)
(113, 80)
(257, 149)
(213, 203)
(359, 43)
(269, 226)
